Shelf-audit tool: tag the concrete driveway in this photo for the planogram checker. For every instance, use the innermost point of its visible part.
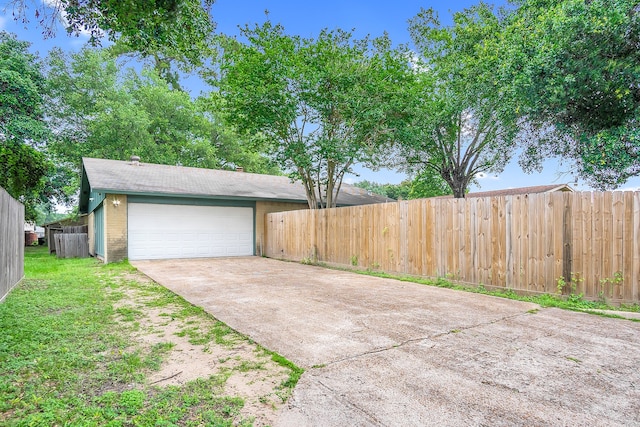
(380, 352)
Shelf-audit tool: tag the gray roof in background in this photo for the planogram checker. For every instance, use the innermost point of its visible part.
(515, 191)
(145, 178)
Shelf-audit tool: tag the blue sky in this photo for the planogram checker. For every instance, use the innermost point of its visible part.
(307, 18)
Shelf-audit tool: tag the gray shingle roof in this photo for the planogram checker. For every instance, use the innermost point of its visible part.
(151, 179)
(517, 191)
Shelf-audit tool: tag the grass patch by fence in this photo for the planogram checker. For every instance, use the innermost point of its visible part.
(67, 358)
(574, 302)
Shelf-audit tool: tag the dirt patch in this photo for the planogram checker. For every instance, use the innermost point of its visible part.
(197, 346)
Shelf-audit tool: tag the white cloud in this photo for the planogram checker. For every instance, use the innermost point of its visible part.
(3, 21)
(484, 176)
(348, 181)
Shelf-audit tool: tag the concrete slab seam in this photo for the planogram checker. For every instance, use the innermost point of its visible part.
(433, 337)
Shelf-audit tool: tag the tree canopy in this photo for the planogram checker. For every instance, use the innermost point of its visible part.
(552, 78)
(23, 166)
(464, 119)
(97, 109)
(575, 66)
(319, 105)
(166, 31)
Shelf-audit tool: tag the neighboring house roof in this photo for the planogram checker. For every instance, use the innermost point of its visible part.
(518, 191)
(69, 221)
(124, 177)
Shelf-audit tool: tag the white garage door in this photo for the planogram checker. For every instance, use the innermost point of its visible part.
(158, 231)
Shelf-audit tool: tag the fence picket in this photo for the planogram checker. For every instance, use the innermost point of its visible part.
(523, 242)
(11, 242)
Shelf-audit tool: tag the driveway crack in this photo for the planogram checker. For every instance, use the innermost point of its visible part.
(432, 337)
(371, 420)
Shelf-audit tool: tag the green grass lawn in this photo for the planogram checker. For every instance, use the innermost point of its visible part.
(66, 354)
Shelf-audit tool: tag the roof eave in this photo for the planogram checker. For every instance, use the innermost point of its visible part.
(85, 189)
(110, 190)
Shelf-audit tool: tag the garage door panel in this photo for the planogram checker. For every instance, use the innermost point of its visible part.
(159, 231)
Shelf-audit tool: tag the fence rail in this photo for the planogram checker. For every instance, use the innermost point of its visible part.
(525, 242)
(11, 243)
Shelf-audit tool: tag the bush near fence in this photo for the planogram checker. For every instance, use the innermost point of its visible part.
(11, 242)
(583, 243)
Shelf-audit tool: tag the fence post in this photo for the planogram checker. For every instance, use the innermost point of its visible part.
(567, 238)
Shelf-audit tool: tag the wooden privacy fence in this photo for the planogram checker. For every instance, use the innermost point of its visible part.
(525, 242)
(11, 242)
(71, 242)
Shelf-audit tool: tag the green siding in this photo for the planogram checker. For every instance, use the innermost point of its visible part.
(95, 199)
(191, 201)
(98, 229)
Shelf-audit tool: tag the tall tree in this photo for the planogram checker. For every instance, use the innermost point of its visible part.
(575, 65)
(319, 105)
(23, 131)
(99, 110)
(464, 119)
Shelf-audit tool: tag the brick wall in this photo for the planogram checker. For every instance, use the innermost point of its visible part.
(263, 208)
(115, 215)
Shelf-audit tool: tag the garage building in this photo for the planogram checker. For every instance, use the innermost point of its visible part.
(148, 211)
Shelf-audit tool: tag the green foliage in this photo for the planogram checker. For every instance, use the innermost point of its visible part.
(393, 191)
(131, 401)
(575, 67)
(219, 333)
(319, 105)
(571, 286)
(464, 119)
(608, 285)
(23, 131)
(425, 184)
(167, 31)
(428, 184)
(295, 372)
(99, 110)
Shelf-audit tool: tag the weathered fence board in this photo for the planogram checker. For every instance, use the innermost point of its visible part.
(524, 242)
(72, 245)
(11, 243)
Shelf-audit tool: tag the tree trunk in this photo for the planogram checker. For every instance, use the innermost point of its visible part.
(459, 190)
(458, 185)
(309, 188)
